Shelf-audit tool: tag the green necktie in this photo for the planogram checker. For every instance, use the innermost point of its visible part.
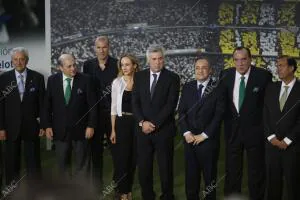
(68, 90)
(283, 97)
(242, 92)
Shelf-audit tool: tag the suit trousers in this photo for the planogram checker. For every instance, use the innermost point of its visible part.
(13, 159)
(234, 167)
(282, 165)
(124, 153)
(103, 127)
(81, 149)
(147, 145)
(201, 158)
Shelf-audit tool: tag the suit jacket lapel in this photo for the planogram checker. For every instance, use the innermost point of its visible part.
(290, 100)
(13, 81)
(231, 88)
(28, 83)
(60, 91)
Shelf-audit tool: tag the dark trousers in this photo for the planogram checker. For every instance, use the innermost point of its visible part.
(282, 164)
(234, 168)
(1, 165)
(147, 145)
(103, 127)
(81, 151)
(124, 154)
(13, 159)
(201, 158)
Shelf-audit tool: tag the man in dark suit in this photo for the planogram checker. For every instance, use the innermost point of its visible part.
(20, 113)
(70, 114)
(103, 69)
(243, 88)
(154, 98)
(200, 114)
(282, 131)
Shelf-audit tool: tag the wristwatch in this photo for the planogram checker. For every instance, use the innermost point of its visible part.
(141, 123)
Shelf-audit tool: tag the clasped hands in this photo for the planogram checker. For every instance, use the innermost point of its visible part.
(195, 139)
(280, 144)
(148, 127)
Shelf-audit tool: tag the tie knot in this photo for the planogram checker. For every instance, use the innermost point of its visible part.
(68, 80)
(21, 76)
(286, 87)
(200, 86)
(154, 76)
(242, 78)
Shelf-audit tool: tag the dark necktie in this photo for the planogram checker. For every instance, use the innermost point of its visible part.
(242, 92)
(153, 84)
(199, 91)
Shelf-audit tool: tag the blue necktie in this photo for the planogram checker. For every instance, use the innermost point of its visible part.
(21, 86)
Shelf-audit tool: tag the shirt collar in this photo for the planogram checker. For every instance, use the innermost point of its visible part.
(291, 84)
(204, 83)
(24, 73)
(65, 77)
(238, 75)
(158, 73)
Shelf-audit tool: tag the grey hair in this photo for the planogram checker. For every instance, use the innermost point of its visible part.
(102, 38)
(155, 49)
(21, 50)
(62, 57)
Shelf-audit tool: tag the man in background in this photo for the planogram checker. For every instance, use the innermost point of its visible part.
(103, 70)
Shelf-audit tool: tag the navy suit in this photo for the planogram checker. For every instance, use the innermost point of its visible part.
(20, 120)
(198, 116)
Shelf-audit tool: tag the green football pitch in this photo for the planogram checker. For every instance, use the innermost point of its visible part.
(48, 162)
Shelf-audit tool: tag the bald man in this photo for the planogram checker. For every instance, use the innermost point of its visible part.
(69, 117)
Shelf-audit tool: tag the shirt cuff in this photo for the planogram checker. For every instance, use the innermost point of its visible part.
(271, 137)
(204, 135)
(287, 141)
(187, 132)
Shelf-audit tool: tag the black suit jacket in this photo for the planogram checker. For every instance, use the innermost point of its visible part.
(201, 116)
(21, 117)
(159, 110)
(249, 120)
(285, 123)
(70, 121)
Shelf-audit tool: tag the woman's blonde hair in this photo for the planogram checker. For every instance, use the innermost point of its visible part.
(133, 60)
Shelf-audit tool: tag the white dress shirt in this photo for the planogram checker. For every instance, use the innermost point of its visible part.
(65, 82)
(117, 89)
(204, 83)
(291, 85)
(236, 89)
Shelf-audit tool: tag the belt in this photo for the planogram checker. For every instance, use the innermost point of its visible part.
(127, 113)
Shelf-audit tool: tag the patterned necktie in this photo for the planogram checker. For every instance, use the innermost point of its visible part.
(21, 86)
(68, 90)
(242, 92)
(153, 84)
(283, 97)
(199, 91)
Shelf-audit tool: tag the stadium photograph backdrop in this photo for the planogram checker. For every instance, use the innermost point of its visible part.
(186, 28)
